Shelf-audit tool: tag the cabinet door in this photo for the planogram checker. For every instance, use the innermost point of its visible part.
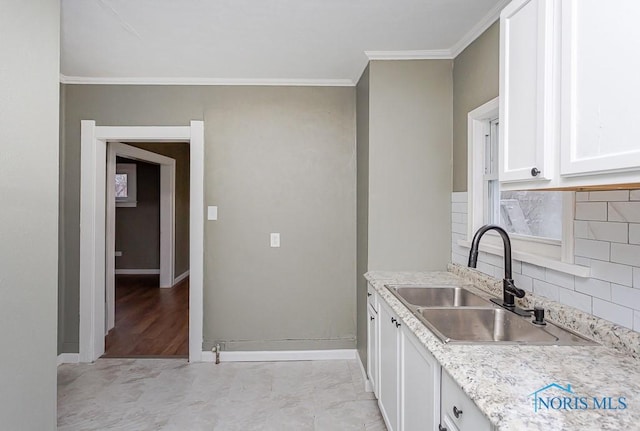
(527, 108)
(388, 384)
(372, 348)
(420, 383)
(600, 91)
(457, 409)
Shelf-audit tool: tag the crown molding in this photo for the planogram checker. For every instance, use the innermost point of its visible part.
(431, 54)
(85, 80)
(478, 29)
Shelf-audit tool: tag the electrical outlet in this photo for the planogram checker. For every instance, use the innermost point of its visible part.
(275, 240)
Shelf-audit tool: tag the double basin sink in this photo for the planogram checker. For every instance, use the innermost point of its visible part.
(456, 315)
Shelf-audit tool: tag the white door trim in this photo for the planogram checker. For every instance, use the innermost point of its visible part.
(167, 217)
(93, 161)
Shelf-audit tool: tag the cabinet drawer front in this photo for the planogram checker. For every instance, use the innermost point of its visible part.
(469, 416)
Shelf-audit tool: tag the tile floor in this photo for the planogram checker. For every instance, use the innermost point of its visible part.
(170, 394)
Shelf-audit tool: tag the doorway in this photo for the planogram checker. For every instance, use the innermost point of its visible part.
(150, 306)
(93, 220)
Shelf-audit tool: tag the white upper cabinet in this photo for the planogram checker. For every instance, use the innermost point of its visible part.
(526, 91)
(600, 86)
(569, 93)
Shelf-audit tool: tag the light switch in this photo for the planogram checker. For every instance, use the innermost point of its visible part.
(275, 240)
(212, 213)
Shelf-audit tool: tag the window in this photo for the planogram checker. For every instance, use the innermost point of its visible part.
(125, 184)
(540, 223)
(531, 214)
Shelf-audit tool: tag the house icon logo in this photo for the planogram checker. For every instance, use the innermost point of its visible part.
(557, 397)
(537, 397)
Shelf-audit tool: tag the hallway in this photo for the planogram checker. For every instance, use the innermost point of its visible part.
(169, 394)
(150, 322)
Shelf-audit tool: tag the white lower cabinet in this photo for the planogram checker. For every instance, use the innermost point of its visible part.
(372, 348)
(413, 391)
(458, 412)
(420, 384)
(409, 379)
(388, 399)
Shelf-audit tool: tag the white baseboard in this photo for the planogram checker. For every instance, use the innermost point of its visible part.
(281, 355)
(68, 358)
(181, 277)
(137, 271)
(368, 387)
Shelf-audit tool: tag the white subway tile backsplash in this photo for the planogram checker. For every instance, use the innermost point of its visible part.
(624, 211)
(625, 296)
(591, 211)
(634, 233)
(492, 259)
(516, 267)
(523, 282)
(607, 240)
(582, 196)
(459, 207)
(575, 299)
(593, 287)
(459, 228)
(584, 261)
(613, 272)
(592, 248)
(581, 229)
(459, 218)
(609, 195)
(607, 231)
(459, 259)
(560, 278)
(613, 312)
(545, 289)
(625, 254)
(459, 197)
(533, 271)
(485, 268)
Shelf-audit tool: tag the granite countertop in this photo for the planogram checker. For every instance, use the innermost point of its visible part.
(501, 379)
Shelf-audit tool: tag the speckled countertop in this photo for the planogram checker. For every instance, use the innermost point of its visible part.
(500, 379)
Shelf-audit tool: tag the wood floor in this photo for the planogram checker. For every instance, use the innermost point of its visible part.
(149, 321)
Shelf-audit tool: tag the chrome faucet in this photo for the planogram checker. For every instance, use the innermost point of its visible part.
(509, 289)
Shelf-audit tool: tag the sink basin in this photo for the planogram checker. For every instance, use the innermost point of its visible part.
(483, 325)
(438, 297)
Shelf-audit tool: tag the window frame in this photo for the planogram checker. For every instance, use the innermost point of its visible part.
(535, 250)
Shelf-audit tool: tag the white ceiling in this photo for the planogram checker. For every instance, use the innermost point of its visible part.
(258, 41)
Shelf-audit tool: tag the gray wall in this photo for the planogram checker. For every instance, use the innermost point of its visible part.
(178, 151)
(475, 82)
(410, 165)
(277, 159)
(362, 130)
(29, 95)
(138, 228)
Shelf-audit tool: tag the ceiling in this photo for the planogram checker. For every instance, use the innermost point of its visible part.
(309, 42)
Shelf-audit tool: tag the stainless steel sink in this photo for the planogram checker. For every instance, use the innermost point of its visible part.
(444, 296)
(493, 325)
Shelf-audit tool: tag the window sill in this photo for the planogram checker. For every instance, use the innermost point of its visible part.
(556, 265)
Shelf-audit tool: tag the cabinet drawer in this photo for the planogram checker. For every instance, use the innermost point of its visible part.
(372, 297)
(458, 409)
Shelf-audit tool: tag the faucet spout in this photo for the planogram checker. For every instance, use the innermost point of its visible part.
(509, 288)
